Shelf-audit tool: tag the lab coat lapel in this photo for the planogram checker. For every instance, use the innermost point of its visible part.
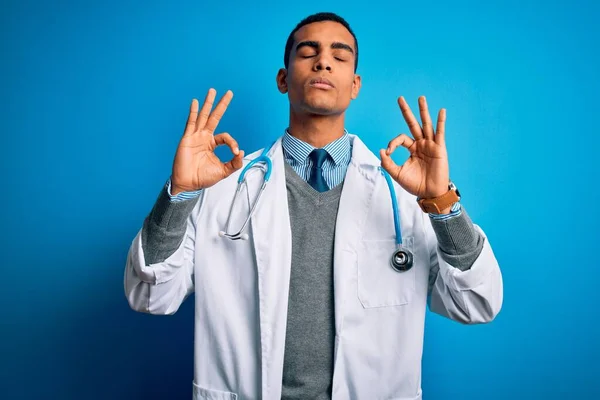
(272, 241)
(355, 202)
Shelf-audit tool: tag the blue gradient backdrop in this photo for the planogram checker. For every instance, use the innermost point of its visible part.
(94, 100)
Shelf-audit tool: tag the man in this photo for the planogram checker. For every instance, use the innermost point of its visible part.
(311, 306)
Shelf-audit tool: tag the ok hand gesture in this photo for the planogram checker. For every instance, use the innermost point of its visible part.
(425, 174)
(196, 166)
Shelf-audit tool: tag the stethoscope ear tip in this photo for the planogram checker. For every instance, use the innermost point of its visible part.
(221, 233)
(245, 236)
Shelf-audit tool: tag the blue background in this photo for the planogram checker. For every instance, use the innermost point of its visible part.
(94, 100)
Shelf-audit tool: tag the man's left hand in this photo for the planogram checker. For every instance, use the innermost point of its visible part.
(425, 174)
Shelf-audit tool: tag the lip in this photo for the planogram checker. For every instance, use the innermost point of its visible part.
(321, 83)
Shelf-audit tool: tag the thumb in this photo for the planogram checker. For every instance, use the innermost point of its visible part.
(388, 164)
(236, 163)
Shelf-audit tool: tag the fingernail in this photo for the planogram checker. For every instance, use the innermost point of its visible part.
(236, 151)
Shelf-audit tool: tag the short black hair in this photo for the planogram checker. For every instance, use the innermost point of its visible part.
(319, 17)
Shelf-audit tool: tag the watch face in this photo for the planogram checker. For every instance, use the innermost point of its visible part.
(452, 186)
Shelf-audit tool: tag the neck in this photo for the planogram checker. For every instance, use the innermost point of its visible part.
(317, 130)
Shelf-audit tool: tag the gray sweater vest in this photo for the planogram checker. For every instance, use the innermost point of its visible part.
(309, 340)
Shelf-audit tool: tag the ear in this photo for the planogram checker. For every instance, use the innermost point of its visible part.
(282, 80)
(356, 86)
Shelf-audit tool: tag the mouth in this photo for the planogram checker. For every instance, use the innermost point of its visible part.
(321, 83)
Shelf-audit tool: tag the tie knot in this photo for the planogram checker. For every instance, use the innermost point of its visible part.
(318, 157)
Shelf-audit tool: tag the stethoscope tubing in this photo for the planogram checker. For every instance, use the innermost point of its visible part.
(402, 258)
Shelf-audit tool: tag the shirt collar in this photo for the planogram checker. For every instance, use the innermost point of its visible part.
(339, 150)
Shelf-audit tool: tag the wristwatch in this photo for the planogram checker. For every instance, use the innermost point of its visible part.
(438, 204)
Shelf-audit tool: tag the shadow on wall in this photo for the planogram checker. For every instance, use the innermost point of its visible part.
(110, 351)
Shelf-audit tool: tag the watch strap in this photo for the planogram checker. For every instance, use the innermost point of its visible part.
(437, 204)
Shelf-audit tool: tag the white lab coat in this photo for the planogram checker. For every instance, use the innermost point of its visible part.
(241, 287)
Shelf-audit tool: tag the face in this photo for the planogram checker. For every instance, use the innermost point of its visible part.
(320, 79)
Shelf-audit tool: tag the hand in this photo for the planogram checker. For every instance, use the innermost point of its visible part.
(425, 174)
(196, 166)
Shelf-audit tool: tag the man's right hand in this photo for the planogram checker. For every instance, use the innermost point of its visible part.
(196, 166)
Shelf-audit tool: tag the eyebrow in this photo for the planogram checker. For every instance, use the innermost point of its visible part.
(315, 45)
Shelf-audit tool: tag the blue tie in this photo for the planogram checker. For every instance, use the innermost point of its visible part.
(316, 180)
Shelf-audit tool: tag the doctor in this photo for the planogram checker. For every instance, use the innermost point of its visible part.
(309, 306)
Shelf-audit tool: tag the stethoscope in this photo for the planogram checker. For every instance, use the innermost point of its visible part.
(402, 258)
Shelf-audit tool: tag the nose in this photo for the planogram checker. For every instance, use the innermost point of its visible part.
(323, 63)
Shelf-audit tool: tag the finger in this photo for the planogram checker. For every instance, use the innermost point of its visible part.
(217, 113)
(401, 140)
(410, 119)
(236, 163)
(225, 138)
(440, 136)
(206, 107)
(388, 164)
(191, 121)
(425, 118)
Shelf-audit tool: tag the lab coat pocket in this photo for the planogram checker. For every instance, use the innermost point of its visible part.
(380, 285)
(201, 393)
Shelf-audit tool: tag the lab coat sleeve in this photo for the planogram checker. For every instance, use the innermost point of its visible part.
(469, 296)
(159, 286)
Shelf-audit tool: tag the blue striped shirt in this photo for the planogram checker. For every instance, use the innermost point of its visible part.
(296, 153)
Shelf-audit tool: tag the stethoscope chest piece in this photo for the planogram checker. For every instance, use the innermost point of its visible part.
(402, 259)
